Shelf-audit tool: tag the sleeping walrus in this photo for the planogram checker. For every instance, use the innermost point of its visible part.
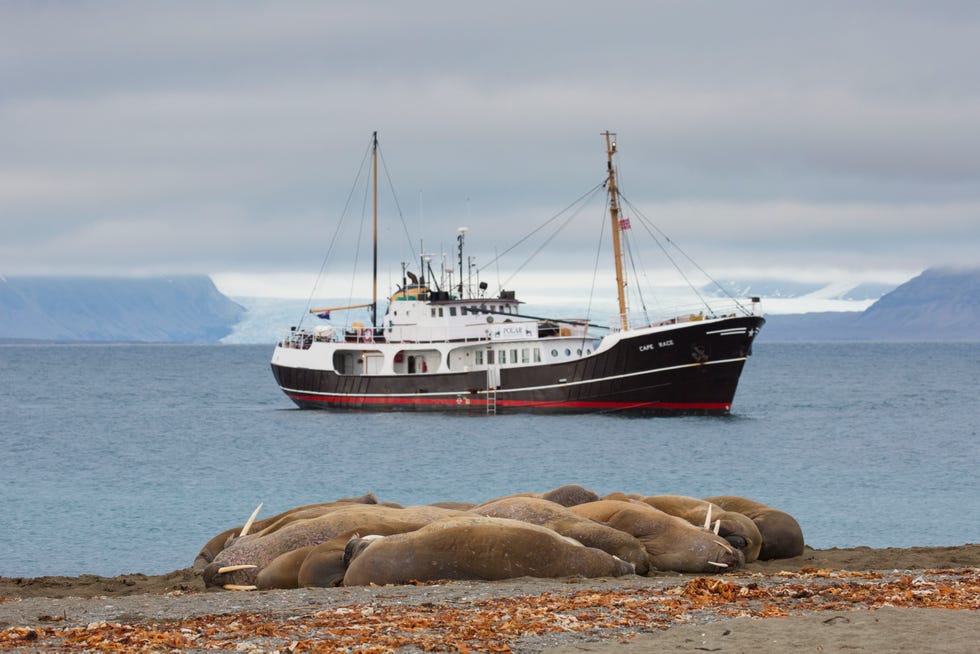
(671, 542)
(322, 565)
(217, 543)
(782, 537)
(240, 563)
(475, 547)
(556, 517)
(737, 528)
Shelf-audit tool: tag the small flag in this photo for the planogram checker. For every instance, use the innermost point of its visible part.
(624, 223)
(325, 315)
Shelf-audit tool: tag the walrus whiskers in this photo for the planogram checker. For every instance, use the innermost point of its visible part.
(239, 587)
(251, 519)
(233, 568)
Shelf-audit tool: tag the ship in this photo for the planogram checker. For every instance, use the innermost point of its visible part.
(455, 348)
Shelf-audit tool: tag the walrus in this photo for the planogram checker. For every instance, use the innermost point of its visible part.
(475, 547)
(240, 563)
(782, 537)
(225, 538)
(738, 529)
(671, 542)
(322, 565)
(558, 518)
(567, 495)
(570, 495)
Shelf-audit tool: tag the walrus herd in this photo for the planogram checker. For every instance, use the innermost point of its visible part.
(568, 531)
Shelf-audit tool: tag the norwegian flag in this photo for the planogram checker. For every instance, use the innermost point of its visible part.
(624, 223)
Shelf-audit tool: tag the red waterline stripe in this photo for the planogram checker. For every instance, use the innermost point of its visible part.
(510, 403)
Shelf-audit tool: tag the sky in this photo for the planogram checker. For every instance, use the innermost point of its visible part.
(830, 141)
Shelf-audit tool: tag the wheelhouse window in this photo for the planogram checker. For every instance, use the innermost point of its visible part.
(452, 311)
(537, 355)
(503, 356)
(479, 357)
(525, 355)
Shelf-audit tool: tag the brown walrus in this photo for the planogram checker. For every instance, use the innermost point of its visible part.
(556, 517)
(475, 547)
(737, 528)
(782, 537)
(225, 538)
(322, 565)
(672, 543)
(570, 495)
(255, 551)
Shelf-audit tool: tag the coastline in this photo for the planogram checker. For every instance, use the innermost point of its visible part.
(895, 599)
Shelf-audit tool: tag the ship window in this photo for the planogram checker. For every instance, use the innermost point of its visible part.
(479, 357)
(554, 353)
(537, 355)
(490, 357)
(440, 312)
(588, 351)
(578, 351)
(513, 356)
(433, 312)
(452, 311)
(568, 352)
(525, 355)
(503, 356)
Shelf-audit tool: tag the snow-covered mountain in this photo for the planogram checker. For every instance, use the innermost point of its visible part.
(941, 304)
(184, 309)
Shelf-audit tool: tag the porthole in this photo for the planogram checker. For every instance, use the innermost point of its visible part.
(568, 352)
(554, 353)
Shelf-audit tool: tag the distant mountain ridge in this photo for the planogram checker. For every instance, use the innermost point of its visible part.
(181, 309)
(767, 288)
(938, 305)
(941, 304)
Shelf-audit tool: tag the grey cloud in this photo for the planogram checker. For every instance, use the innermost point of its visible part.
(239, 125)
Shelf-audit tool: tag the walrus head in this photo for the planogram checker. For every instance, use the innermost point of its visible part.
(356, 545)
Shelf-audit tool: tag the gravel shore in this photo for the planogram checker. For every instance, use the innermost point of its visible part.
(859, 599)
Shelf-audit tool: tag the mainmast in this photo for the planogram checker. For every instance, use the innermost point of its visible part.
(616, 228)
(374, 297)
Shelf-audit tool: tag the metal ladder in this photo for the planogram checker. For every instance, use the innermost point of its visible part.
(491, 394)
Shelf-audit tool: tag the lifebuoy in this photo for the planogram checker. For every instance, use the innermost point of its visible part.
(367, 335)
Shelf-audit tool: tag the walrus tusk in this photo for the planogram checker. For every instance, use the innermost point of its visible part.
(717, 526)
(238, 587)
(720, 565)
(707, 519)
(233, 568)
(251, 519)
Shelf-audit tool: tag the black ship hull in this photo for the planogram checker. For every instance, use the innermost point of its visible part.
(689, 369)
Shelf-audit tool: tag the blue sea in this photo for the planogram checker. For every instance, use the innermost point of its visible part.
(128, 458)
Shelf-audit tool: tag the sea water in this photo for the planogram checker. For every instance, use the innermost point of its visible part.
(128, 458)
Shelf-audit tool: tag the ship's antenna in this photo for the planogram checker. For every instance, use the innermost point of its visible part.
(460, 237)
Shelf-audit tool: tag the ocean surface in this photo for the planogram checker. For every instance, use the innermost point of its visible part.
(128, 458)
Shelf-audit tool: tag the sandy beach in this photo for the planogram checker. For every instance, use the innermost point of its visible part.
(858, 599)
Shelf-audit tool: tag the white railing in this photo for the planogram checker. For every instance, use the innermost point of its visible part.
(688, 312)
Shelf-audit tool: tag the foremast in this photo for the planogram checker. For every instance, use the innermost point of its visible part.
(616, 228)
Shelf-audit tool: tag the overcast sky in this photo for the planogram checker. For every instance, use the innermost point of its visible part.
(810, 140)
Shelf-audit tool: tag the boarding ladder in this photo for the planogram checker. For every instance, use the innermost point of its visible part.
(491, 391)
